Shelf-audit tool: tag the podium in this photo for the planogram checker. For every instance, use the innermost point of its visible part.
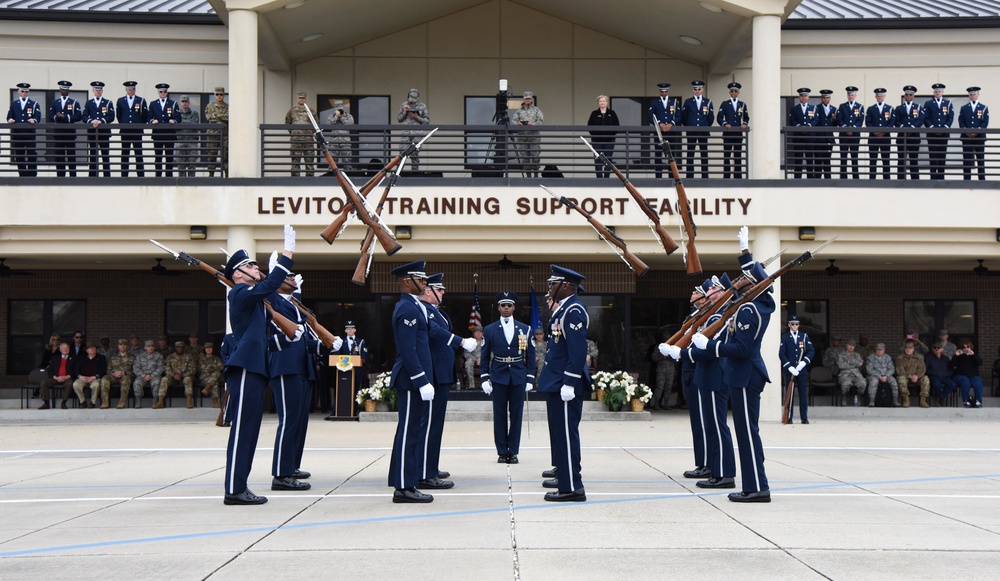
(344, 391)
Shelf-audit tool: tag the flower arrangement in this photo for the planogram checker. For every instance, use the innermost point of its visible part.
(619, 388)
(379, 390)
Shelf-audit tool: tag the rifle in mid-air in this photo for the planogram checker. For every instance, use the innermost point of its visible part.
(683, 206)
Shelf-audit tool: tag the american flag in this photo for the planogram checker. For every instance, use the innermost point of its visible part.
(475, 320)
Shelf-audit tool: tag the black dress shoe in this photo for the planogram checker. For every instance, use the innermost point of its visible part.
(575, 496)
(716, 482)
(550, 473)
(550, 483)
(699, 472)
(502, 459)
(330, 418)
(759, 496)
(289, 483)
(804, 422)
(63, 405)
(435, 484)
(301, 474)
(443, 474)
(245, 497)
(410, 495)
(512, 459)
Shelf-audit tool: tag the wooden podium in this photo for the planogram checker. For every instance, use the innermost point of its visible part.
(346, 366)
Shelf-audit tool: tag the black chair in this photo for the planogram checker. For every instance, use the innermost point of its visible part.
(34, 382)
(820, 377)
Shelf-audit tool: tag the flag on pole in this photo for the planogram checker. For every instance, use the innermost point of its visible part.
(475, 319)
(536, 314)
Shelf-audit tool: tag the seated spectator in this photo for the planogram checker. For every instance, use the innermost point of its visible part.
(949, 347)
(90, 370)
(881, 369)
(179, 368)
(119, 373)
(148, 369)
(51, 349)
(939, 374)
(865, 350)
(210, 373)
(134, 346)
(830, 355)
(919, 347)
(60, 373)
(849, 364)
(965, 369)
(104, 348)
(78, 346)
(163, 347)
(910, 368)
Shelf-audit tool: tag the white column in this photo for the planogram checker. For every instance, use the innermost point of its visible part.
(244, 135)
(767, 243)
(239, 237)
(765, 136)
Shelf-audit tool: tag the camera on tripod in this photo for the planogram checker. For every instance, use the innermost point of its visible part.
(503, 96)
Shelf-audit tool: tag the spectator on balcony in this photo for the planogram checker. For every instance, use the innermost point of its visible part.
(734, 116)
(217, 146)
(65, 112)
(604, 140)
(879, 116)
(974, 115)
(850, 115)
(60, 374)
(965, 369)
(412, 112)
(849, 364)
(132, 110)
(800, 146)
(938, 115)
(882, 369)
(698, 111)
(528, 143)
(826, 116)
(164, 112)
(939, 374)
(24, 114)
(188, 140)
(90, 370)
(666, 112)
(911, 368)
(302, 139)
(908, 115)
(340, 140)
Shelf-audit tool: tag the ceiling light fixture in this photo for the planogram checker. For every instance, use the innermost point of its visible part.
(691, 40)
(710, 7)
(312, 37)
(295, 4)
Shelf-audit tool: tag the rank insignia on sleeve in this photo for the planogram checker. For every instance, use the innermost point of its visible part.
(410, 323)
(742, 326)
(576, 326)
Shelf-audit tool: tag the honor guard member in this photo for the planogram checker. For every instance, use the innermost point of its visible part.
(508, 373)
(148, 370)
(909, 115)
(879, 115)
(796, 352)
(565, 382)
(528, 143)
(666, 112)
(340, 139)
(412, 112)
(354, 345)
(735, 118)
(65, 111)
(443, 344)
(698, 111)
(217, 145)
(938, 114)
(132, 110)
(800, 145)
(24, 112)
(411, 378)
(822, 143)
(291, 371)
(246, 366)
(119, 373)
(745, 374)
(303, 140)
(210, 373)
(180, 368)
(850, 115)
(974, 115)
(164, 112)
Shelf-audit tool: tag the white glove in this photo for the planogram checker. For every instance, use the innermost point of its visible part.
(567, 393)
(528, 387)
(272, 262)
(794, 371)
(298, 282)
(469, 344)
(670, 351)
(427, 392)
(289, 238)
(337, 342)
(700, 341)
(744, 238)
(487, 387)
(801, 365)
(299, 331)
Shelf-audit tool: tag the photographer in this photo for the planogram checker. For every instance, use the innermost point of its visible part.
(340, 140)
(527, 143)
(412, 112)
(965, 366)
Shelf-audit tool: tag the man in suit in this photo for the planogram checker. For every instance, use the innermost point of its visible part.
(826, 116)
(697, 111)
(879, 116)
(98, 114)
(508, 373)
(908, 115)
(59, 374)
(800, 146)
(247, 364)
(796, 352)
(974, 115)
(90, 370)
(565, 383)
(26, 114)
(938, 114)
(65, 112)
(734, 117)
(666, 112)
(132, 110)
(850, 115)
(353, 345)
(164, 112)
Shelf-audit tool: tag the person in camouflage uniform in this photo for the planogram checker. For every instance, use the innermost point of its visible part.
(472, 358)
(541, 346)
(163, 347)
(881, 368)
(412, 112)
(194, 349)
(666, 369)
(147, 369)
(911, 368)
(830, 356)
(849, 364)
(218, 139)
(134, 346)
(340, 140)
(210, 373)
(527, 143)
(188, 150)
(303, 144)
(180, 367)
(119, 373)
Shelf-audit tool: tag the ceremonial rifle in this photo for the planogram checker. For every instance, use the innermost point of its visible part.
(367, 249)
(616, 243)
(683, 206)
(652, 218)
(786, 416)
(321, 332)
(288, 326)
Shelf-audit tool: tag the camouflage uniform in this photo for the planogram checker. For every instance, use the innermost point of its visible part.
(877, 367)
(907, 365)
(422, 118)
(665, 371)
(527, 143)
(302, 140)
(122, 362)
(181, 364)
(210, 374)
(196, 351)
(849, 365)
(540, 348)
(830, 360)
(188, 147)
(218, 139)
(470, 363)
(340, 140)
(146, 364)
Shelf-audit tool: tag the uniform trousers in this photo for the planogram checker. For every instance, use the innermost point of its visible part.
(746, 412)
(822, 158)
(291, 402)
(908, 146)
(430, 445)
(244, 410)
(714, 406)
(404, 464)
(937, 147)
(849, 145)
(878, 147)
(732, 156)
(564, 435)
(698, 436)
(99, 151)
(132, 141)
(973, 153)
(163, 152)
(23, 152)
(801, 392)
(64, 144)
(507, 397)
(673, 140)
(697, 140)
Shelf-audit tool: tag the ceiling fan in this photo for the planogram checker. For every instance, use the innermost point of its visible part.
(161, 270)
(834, 270)
(8, 271)
(982, 270)
(504, 264)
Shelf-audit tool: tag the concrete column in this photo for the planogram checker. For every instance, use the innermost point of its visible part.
(765, 136)
(244, 135)
(766, 243)
(239, 237)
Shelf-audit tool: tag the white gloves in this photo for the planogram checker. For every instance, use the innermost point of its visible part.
(298, 282)
(427, 392)
(487, 387)
(794, 371)
(337, 342)
(744, 238)
(567, 393)
(272, 262)
(289, 238)
(469, 344)
(299, 331)
(700, 341)
(528, 387)
(670, 351)
(801, 365)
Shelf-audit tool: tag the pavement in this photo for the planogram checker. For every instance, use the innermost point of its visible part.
(901, 497)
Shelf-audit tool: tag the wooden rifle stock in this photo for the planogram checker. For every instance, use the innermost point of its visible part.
(324, 335)
(684, 209)
(654, 220)
(389, 244)
(786, 411)
(222, 406)
(330, 233)
(361, 271)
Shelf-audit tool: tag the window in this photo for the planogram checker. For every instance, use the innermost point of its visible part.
(31, 323)
(927, 317)
(207, 318)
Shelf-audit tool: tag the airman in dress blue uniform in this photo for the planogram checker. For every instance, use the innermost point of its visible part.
(879, 115)
(352, 345)
(65, 112)
(796, 352)
(735, 117)
(132, 110)
(24, 112)
(98, 114)
(850, 116)
(938, 114)
(908, 115)
(974, 115)
(565, 382)
(665, 111)
(800, 145)
(698, 111)
(508, 374)
(826, 116)
(163, 112)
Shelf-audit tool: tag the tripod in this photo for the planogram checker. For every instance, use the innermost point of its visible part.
(496, 151)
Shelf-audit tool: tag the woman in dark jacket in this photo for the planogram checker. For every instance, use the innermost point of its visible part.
(51, 349)
(966, 364)
(603, 141)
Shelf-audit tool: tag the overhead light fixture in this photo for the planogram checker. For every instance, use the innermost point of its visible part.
(705, 5)
(312, 37)
(403, 233)
(807, 233)
(199, 232)
(691, 40)
(295, 4)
